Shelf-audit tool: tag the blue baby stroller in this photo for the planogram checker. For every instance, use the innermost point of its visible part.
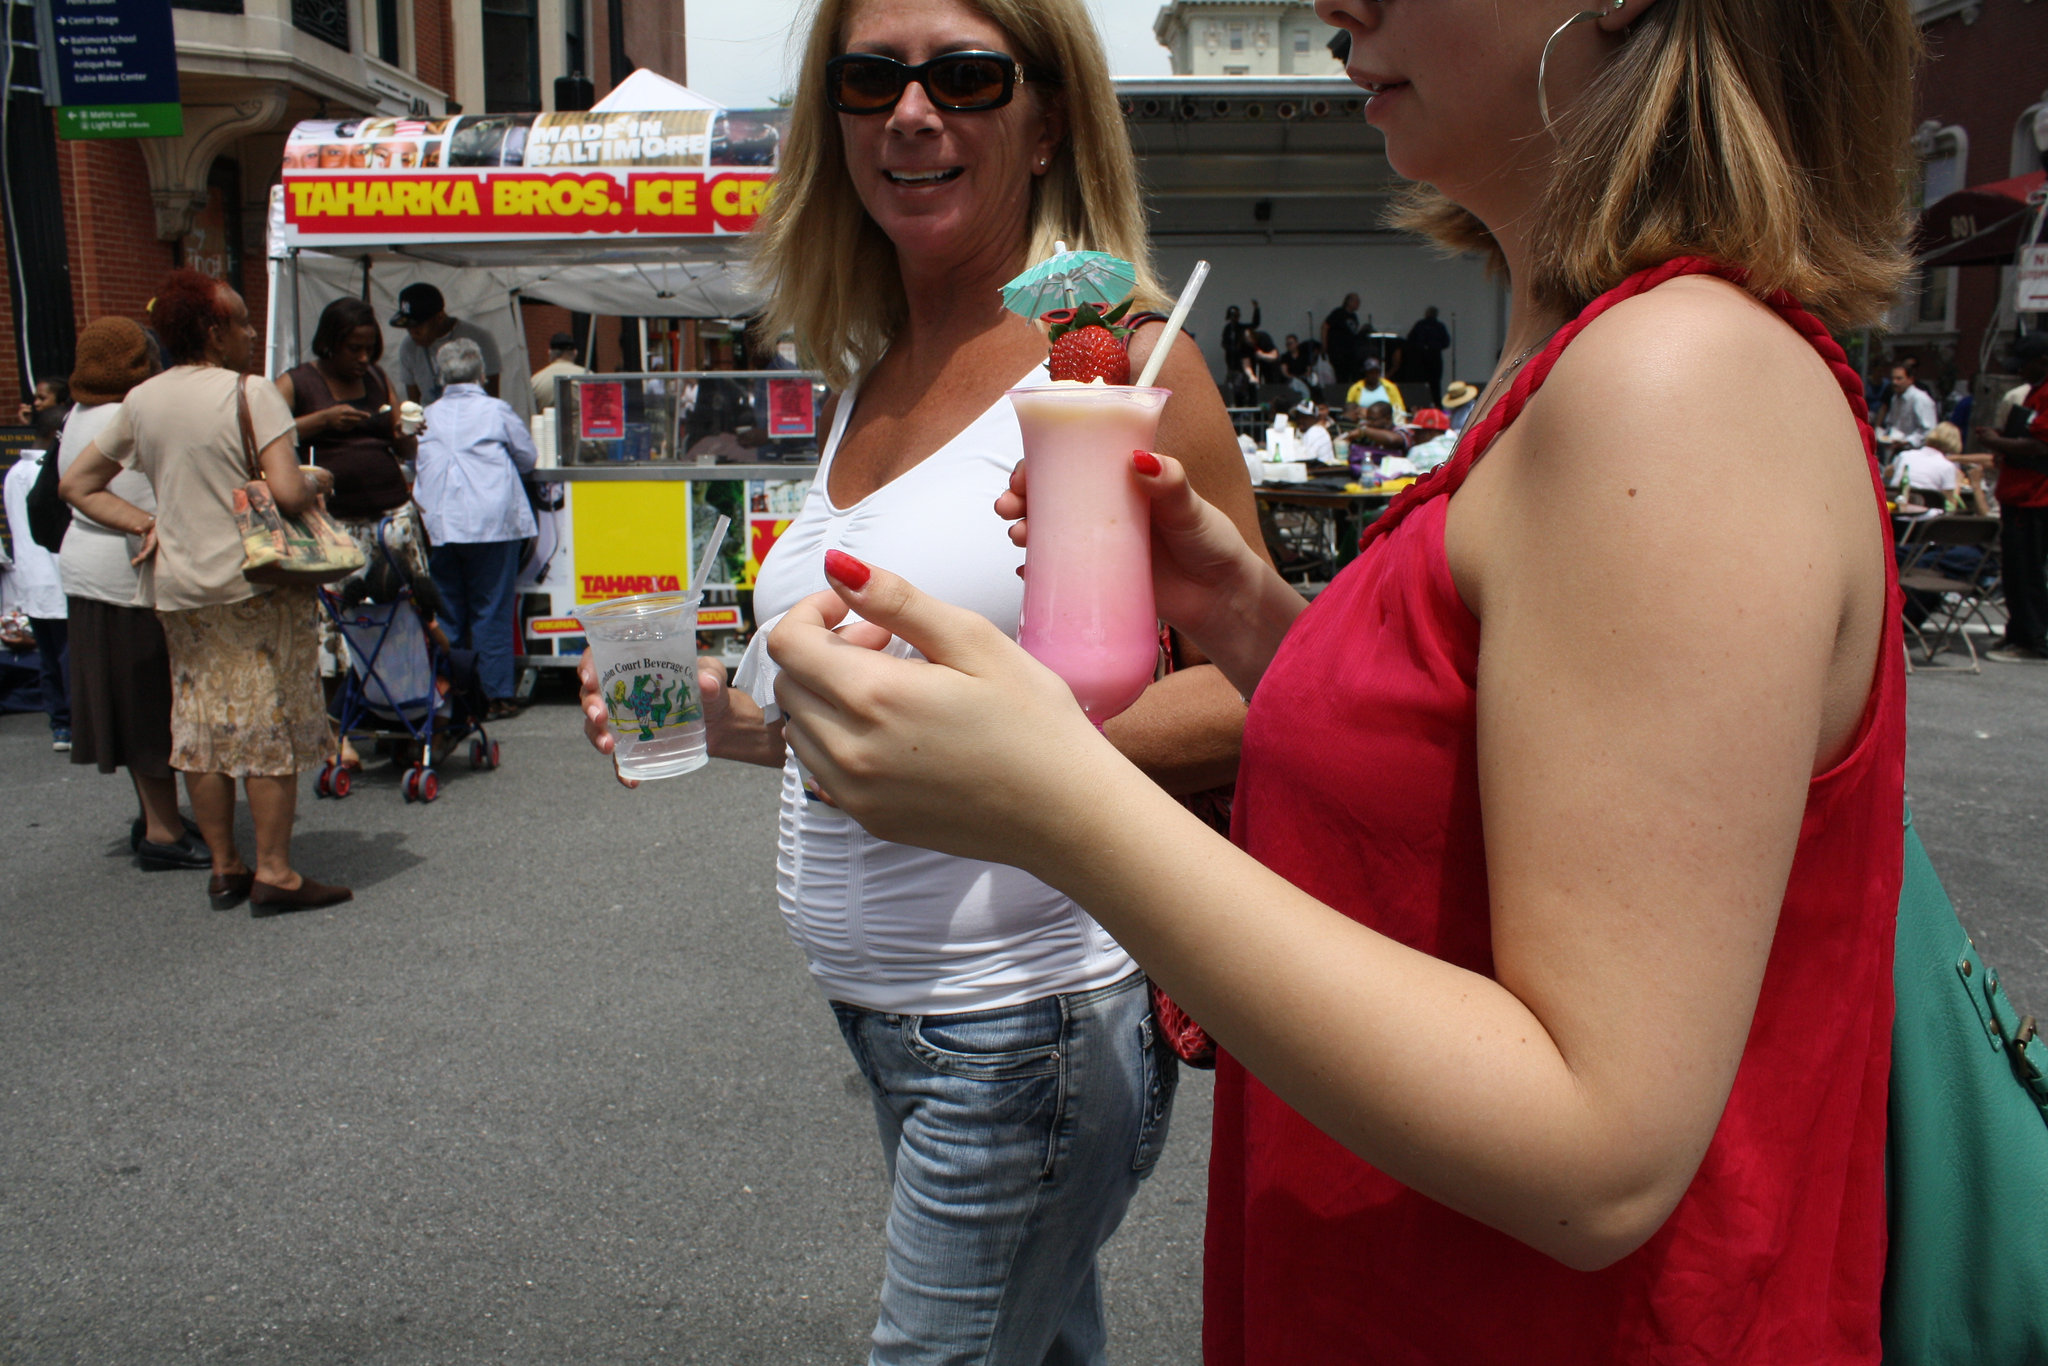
(400, 685)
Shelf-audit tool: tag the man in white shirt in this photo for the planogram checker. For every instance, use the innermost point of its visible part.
(473, 454)
(1909, 413)
(423, 313)
(33, 586)
(562, 353)
(1314, 424)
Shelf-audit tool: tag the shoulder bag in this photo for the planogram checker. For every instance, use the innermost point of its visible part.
(49, 516)
(310, 548)
(1966, 1152)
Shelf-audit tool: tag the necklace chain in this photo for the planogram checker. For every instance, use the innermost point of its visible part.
(1494, 389)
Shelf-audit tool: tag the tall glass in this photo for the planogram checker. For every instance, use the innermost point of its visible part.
(645, 652)
(1088, 610)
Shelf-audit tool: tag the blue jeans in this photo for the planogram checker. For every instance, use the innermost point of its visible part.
(476, 581)
(53, 654)
(1015, 1139)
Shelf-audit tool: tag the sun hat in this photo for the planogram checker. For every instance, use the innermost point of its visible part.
(113, 355)
(1459, 394)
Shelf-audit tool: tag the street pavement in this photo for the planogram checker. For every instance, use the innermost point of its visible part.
(555, 1088)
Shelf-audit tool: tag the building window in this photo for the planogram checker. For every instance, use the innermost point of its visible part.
(213, 244)
(1932, 308)
(1237, 37)
(326, 20)
(511, 56)
(387, 32)
(575, 61)
(1301, 40)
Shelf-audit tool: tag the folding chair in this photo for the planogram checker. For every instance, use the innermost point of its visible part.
(1947, 565)
(1301, 540)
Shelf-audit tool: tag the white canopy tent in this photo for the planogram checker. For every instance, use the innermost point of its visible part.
(650, 222)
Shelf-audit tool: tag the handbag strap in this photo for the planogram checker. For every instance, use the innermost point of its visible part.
(248, 427)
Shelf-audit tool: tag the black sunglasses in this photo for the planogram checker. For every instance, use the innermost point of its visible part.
(959, 82)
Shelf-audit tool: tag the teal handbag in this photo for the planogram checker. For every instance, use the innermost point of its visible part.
(1966, 1276)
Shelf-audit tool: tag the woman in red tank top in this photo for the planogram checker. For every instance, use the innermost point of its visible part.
(1554, 964)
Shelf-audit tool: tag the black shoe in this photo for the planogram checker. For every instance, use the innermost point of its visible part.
(137, 828)
(186, 853)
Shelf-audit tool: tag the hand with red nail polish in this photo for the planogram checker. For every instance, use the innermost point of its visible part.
(907, 746)
(846, 569)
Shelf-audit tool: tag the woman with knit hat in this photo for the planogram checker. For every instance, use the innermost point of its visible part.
(120, 669)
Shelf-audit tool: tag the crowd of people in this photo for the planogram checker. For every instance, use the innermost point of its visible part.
(1938, 461)
(158, 654)
(1328, 367)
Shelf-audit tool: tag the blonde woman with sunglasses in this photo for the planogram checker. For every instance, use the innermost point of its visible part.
(935, 149)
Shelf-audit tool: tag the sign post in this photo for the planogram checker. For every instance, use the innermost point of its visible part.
(2031, 294)
(111, 68)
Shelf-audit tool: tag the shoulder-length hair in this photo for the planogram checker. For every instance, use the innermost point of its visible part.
(340, 318)
(831, 272)
(1773, 134)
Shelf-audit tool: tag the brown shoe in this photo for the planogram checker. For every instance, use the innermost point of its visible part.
(229, 891)
(264, 899)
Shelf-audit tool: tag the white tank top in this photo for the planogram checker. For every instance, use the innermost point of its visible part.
(887, 926)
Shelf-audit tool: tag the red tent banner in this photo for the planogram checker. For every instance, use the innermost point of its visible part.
(1980, 226)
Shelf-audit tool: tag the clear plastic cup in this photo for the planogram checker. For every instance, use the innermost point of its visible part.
(645, 652)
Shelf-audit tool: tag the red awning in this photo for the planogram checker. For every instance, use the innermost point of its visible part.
(1980, 226)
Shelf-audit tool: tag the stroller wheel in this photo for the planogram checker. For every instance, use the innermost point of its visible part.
(430, 785)
(476, 754)
(411, 786)
(494, 755)
(323, 785)
(339, 784)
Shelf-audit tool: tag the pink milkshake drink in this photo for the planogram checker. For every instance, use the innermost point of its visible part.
(1088, 610)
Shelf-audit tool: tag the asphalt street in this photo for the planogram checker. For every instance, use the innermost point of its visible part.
(555, 1088)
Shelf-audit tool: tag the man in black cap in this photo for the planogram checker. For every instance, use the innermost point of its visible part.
(423, 313)
(562, 352)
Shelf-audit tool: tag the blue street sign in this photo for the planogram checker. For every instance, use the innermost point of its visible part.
(111, 67)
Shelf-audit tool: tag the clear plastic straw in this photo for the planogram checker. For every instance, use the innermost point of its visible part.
(710, 554)
(1179, 316)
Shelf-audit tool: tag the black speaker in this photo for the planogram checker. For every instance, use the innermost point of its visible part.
(574, 93)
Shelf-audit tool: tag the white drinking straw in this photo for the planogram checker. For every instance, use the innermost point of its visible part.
(1180, 315)
(710, 554)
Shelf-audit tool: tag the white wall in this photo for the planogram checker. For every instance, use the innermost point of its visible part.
(1396, 280)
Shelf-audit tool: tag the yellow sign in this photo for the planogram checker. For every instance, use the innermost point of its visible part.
(630, 537)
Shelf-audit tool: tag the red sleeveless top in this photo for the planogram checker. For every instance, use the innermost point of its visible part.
(1776, 1252)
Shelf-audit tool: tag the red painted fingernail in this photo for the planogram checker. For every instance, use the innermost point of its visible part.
(846, 569)
(1146, 462)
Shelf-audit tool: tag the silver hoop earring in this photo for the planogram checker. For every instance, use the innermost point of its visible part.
(1543, 62)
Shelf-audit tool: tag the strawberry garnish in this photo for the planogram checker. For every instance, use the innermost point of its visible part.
(1087, 345)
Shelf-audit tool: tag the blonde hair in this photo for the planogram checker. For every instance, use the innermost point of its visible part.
(831, 273)
(1773, 134)
(1946, 438)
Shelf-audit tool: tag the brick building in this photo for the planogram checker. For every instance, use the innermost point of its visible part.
(1979, 92)
(128, 211)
